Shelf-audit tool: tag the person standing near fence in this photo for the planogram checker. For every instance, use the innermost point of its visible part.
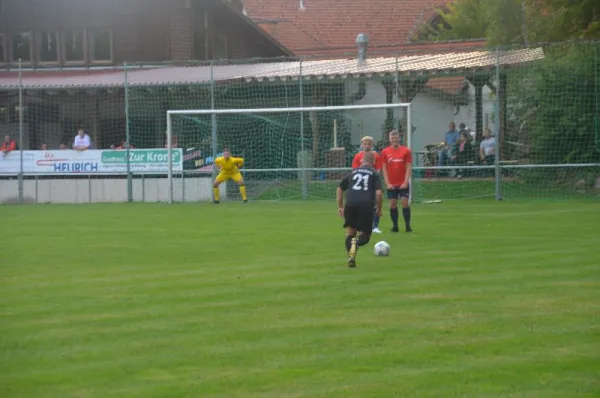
(397, 169)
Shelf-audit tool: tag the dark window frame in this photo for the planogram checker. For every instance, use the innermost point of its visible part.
(38, 46)
(3, 47)
(64, 46)
(91, 46)
(11, 54)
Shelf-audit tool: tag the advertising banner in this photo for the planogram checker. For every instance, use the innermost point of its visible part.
(64, 162)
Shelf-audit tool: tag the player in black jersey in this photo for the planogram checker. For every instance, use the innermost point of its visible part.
(363, 192)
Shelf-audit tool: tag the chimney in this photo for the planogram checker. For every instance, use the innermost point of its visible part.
(362, 43)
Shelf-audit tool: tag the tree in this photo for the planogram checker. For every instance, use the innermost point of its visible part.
(458, 20)
(557, 99)
(504, 22)
(553, 104)
(498, 21)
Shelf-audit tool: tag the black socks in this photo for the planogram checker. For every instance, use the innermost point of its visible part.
(394, 216)
(406, 215)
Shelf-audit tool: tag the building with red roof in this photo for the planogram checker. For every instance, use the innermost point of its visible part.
(328, 27)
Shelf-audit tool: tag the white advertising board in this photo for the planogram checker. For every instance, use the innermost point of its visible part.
(141, 161)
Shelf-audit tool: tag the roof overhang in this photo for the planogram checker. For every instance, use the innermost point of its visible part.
(424, 65)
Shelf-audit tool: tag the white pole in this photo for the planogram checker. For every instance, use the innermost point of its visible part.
(334, 133)
(170, 157)
(284, 110)
(21, 105)
(409, 144)
(302, 149)
(497, 139)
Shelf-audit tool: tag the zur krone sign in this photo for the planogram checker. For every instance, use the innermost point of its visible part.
(148, 161)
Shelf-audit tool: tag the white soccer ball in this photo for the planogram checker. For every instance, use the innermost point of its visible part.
(382, 249)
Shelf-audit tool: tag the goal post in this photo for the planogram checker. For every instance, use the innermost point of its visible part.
(322, 140)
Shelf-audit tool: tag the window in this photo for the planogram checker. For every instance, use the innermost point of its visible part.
(101, 45)
(74, 45)
(2, 48)
(21, 46)
(48, 47)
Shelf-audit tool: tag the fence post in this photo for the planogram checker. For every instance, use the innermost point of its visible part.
(127, 137)
(302, 154)
(213, 117)
(498, 169)
(21, 182)
(398, 112)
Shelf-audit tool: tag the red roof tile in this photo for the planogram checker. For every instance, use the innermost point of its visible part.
(323, 25)
(450, 85)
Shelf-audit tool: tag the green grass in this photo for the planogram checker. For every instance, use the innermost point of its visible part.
(485, 299)
(444, 188)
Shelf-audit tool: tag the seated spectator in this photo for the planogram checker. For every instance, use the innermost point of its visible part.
(123, 145)
(450, 140)
(63, 146)
(463, 150)
(8, 145)
(487, 148)
(44, 147)
(82, 141)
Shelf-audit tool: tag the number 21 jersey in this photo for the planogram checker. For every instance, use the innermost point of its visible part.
(360, 186)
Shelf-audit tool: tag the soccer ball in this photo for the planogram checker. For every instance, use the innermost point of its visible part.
(382, 249)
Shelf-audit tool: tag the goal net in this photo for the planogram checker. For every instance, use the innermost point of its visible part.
(289, 153)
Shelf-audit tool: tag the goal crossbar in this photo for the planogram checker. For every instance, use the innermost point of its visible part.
(282, 110)
(214, 112)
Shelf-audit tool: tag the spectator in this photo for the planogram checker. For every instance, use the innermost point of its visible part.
(63, 146)
(487, 148)
(8, 145)
(82, 141)
(44, 147)
(470, 135)
(463, 151)
(123, 145)
(450, 140)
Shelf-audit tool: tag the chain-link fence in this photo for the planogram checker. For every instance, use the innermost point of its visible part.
(518, 123)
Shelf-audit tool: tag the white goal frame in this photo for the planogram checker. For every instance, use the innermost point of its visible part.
(301, 110)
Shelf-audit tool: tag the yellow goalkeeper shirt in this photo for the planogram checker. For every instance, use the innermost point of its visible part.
(229, 166)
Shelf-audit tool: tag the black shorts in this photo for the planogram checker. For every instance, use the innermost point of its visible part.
(396, 193)
(359, 217)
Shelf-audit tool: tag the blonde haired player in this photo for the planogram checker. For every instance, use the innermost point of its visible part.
(229, 169)
(367, 146)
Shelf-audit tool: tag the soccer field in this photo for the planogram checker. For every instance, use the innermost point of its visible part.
(485, 299)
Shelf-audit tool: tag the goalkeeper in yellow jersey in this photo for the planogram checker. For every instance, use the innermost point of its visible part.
(229, 169)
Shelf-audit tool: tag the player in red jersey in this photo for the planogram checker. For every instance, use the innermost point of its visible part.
(397, 169)
(367, 146)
